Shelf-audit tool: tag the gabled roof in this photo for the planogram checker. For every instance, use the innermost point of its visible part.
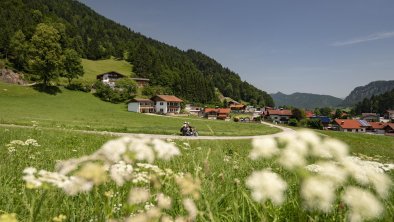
(389, 126)
(140, 100)
(375, 125)
(348, 123)
(166, 98)
(280, 112)
(238, 106)
(112, 73)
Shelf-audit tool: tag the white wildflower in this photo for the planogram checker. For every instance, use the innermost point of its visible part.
(291, 159)
(138, 195)
(191, 208)
(75, 185)
(266, 185)
(363, 204)
(11, 149)
(333, 172)
(113, 149)
(335, 148)
(309, 137)
(93, 172)
(165, 150)
(318, 193)
(142, 151)
(120, 172)
(263, 147)
(163, 201)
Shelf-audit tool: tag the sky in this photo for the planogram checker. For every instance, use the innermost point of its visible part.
(322, 47)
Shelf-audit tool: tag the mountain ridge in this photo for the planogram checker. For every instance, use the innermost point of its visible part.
(367, 91)
(305, 100)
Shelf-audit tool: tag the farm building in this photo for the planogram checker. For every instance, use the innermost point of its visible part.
(162, 104)
(352, 125)
(217, 113)
(278, 115)
(141, 106)
(110, 78)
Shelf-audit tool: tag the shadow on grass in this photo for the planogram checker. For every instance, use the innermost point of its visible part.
(52, 90)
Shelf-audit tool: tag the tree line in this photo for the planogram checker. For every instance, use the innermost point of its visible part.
(190, 75)
(376, 104)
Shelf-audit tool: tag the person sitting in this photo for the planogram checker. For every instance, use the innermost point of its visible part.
(185, 129)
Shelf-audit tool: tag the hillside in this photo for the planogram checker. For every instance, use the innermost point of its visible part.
(362, 92)
(305, 100)
(21, 105)
(96, 37)
(93, 68)
(376, 104)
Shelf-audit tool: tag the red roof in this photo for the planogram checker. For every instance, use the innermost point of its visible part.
(224, 111)
(348, 123)
(309, 114)
(167, 98)
(389, 125)
(377, 125)
(238, 106)
(280, 112)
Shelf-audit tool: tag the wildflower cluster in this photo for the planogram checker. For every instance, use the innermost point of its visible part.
(324, 168)
(125, 160)
(14, 145)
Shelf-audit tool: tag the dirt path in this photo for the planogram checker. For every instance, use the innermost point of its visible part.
(285, 130)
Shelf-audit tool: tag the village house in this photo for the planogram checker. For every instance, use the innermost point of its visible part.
(194, 110)
(141, 82)
(167, 104)
(217, 113)
(237, 108)
(351, 125)
(376, 127)
(370, 117)
(309, 114)
(389, 115)
(162, 104)
(141, 106)
(278, 115)
(389, 129)
(110, 78)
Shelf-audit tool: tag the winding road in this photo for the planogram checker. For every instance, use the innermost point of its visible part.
(285, 130)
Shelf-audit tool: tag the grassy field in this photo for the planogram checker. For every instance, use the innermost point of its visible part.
(382, 147)
(93, 68)
(77, 110)
(222, 167)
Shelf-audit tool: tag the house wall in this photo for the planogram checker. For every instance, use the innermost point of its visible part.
(278, 118)
(133, 107)
(161, 107)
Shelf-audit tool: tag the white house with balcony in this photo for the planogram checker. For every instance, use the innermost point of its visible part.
(162, 104)
(110, 78)
(167, 104)
(141, 106)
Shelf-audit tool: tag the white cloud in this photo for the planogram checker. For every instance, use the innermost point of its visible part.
(372, 37)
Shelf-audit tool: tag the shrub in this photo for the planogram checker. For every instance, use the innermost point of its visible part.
(293, 122)
(79, 86)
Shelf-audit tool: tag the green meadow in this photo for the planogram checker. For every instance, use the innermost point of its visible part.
(77, 110)
(222, 167)
(93, 68)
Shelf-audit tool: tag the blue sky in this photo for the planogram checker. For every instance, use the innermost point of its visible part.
(323, 47)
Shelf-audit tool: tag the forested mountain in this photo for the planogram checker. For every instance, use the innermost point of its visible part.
(190, 75)
(306, 100)
(367, 91)
(376, 104)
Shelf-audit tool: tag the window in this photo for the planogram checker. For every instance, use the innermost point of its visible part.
(161, 103)
(161, 110)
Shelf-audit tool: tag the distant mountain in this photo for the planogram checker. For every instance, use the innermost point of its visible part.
(305, 100)
(362, 92)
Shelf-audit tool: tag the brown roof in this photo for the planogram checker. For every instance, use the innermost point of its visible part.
(238, 106)
(112, 73)
(167, 98)
(377, 125)
(368, 114)
(220, 111)
(348, 123)
(140, 100)
(280, 112)
(389, 125)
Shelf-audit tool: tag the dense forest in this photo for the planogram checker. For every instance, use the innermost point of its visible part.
(190, 75)
(306, 100)
(376, 104)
